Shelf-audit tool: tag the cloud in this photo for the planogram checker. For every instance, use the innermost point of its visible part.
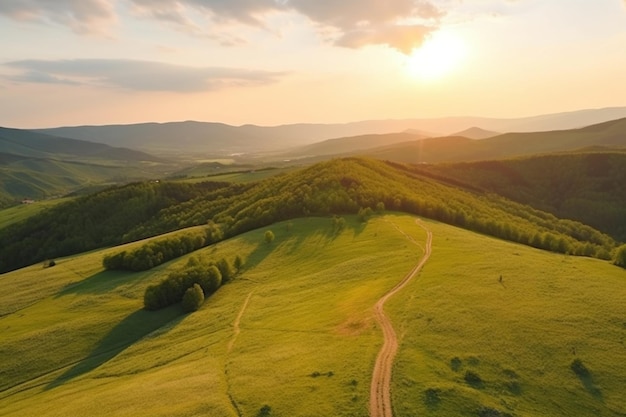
(138, 75)
(353, 23)
(402, 38)
(82, 16)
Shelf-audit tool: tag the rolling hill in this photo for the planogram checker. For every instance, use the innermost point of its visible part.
(294, 333)
(457, 149)
(476, 133)
(340, 186)
(37, 166)
(584, 186)
(351, 145)
(221, 139)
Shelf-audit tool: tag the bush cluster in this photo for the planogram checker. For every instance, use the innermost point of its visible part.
(158, 251)
(208, 276)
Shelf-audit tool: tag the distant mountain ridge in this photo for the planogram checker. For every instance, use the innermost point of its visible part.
(33, 144)
(476, 133)
(220, 138)
(611, 134)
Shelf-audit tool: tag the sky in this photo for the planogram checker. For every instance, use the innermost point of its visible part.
(271, 62)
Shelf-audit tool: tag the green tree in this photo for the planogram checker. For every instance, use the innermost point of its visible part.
(238, 263)
(193, 298)
(620, 256)
(225, 269)
(269, 237)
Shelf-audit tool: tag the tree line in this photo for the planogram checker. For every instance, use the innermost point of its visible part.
(158, 251)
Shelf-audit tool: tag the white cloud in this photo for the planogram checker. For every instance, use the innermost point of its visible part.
(82, 16)
(138, 75)
(355, 23)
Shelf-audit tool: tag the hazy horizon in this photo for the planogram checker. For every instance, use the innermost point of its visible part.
(269, 63)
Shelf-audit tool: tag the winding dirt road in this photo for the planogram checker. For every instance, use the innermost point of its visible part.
(380, 391)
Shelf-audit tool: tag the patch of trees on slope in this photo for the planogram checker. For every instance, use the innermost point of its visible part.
(341, 186)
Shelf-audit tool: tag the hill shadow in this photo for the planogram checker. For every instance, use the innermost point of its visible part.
(126, 333)
(102, 282)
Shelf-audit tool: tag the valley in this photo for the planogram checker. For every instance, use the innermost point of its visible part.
(368, 283)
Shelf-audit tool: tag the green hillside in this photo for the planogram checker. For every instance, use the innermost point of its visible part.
(458, 149)
(38, 166)
(352, 144)
(294, 332)
(39, 145)
(588, 187)
(344, 186)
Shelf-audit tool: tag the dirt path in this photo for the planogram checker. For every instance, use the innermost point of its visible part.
(380, 391)
(236, 329)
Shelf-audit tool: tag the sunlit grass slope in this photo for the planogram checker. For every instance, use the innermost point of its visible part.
(23, 211)
(519, 336)
(75, 340)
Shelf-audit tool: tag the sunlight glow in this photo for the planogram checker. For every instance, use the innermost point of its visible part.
(440, 55)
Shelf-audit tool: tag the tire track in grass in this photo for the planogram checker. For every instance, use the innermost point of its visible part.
(380, 390)
(231, 343)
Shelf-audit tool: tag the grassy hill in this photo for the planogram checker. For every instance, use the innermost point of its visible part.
(585, 186)
(344, 186)
(458, 149)
(38, 145)
(37, 166)
(305, 341)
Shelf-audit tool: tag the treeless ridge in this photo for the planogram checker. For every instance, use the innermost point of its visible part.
(380, 391)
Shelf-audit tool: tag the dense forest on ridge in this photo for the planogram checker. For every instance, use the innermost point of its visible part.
(584, 186)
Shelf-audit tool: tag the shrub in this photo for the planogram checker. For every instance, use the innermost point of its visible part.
(620, 256)
(455, 364)
(266, 410)
(269, 237)
(193, 298)
(473, 379)
(238, 263)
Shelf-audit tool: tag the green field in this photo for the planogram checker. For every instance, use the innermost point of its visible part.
(23, 211)
(75, 340)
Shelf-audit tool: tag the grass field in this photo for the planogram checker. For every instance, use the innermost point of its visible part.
(23, 211)
(75, 340)
(520, 336)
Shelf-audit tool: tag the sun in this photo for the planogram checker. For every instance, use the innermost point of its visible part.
(441, 54)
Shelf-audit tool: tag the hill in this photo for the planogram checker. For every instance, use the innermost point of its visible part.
(457, 149)
(476, 133)
(38, 166)
(584, 186)
(37, 145)
(351, 145)
(344, 186)
(221, 139)
(294, 335)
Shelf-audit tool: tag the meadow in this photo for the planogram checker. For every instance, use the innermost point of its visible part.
(293, 334)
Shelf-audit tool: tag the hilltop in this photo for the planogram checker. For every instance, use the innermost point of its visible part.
(341, 186)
